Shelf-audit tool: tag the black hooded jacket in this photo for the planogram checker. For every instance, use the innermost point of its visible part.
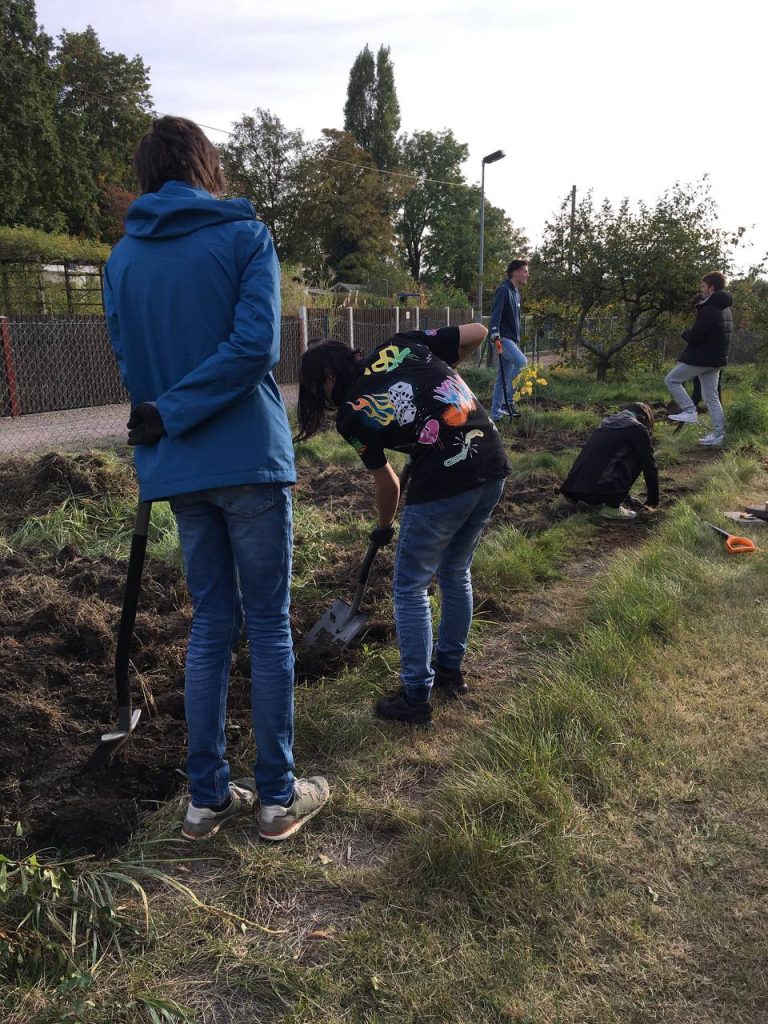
(612, 459)
(710, 336)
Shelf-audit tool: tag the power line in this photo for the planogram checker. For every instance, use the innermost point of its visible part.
(363, 167)
(334, 160)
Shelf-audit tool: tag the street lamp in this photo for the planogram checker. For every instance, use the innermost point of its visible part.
(490, 159)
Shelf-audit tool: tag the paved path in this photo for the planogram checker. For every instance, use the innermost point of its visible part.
(100, 425)
(78, 428)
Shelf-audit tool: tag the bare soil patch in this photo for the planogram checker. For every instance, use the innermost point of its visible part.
(58, 622)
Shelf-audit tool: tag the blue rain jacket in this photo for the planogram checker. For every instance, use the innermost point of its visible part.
(192, 296)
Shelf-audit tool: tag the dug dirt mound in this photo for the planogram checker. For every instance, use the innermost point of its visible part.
(33, 485)
(58, 620)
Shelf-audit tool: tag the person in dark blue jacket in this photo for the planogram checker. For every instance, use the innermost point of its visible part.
(192, 295)
(505, 333)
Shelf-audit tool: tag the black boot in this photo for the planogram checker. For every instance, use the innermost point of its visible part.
(449, 681)
(399, 708)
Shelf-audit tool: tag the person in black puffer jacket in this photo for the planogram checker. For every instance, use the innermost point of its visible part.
(612, 459)
(706, 351)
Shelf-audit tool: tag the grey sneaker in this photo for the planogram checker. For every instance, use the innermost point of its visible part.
(712, 440)
(202, 822)
(309, 796)
(687, 416)
(617, 515)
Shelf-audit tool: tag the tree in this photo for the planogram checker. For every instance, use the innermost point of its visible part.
(346, 209)
(371, 112)
(386, 114)
(360, 107)
(639, 265)
(434, 158)
(438, 225)
(268, 164)
(104, 106)
(30, 154)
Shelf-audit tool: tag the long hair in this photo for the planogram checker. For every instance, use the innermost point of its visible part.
(324, 358)
(644, 413)
(175, 149)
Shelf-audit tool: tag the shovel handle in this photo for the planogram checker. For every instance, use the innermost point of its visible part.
(130, 604)
(370, 554)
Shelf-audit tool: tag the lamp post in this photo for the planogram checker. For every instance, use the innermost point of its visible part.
(499, 154)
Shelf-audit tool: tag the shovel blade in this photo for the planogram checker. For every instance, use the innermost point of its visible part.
(338, 626)
(109, 745)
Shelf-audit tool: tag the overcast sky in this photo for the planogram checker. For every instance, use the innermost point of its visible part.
(622, 98)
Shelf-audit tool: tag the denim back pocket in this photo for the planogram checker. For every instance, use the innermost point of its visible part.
(247, 500)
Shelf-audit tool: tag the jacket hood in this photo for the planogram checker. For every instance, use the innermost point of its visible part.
(721, 299)
(179, 209)
(619, 420)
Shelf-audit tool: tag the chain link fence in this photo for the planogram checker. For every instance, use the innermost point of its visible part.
(60, 388)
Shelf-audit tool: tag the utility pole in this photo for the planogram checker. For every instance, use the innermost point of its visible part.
(490, 159)
(570, 259)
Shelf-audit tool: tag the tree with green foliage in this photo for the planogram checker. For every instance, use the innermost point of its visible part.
(269, 164)
(345, 213)
(360, 107)
(372, 112)
(386, 114)
(639, 265)
(104, 107)
(438, 224)
(434, 159)
(30, 154)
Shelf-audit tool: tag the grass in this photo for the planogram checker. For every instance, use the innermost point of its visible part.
(580, 839)
(99, 527)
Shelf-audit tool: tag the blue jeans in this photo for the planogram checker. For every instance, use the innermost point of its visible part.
(437, 537)
(237, 546)
(512, 362)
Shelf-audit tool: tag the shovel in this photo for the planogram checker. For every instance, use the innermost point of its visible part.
(343, 623)
(127, 717)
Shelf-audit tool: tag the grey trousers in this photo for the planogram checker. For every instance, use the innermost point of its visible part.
(708, 375)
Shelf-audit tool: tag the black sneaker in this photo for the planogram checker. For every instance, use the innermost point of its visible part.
(449, 682)
(398, 708)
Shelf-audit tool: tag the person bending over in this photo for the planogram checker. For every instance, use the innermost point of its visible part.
(612, 459)
(407, 397)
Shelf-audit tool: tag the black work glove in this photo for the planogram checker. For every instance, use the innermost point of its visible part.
(145, 424)
(382, 535)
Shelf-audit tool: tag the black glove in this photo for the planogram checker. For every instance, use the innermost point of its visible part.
(145, 424)
(382, 535)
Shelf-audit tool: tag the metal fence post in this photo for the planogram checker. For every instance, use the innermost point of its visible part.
(447, 316)
(10, 370)
(397, 319)
(304, 331)
(351, 327)
(417, 318)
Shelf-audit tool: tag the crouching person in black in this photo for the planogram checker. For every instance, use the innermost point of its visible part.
(610, 462)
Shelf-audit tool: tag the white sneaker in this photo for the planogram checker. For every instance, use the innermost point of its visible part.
(687, 416)
(712, 440)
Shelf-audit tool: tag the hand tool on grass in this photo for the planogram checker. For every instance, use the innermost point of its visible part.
(343, 624)
(758, 511)
(734, 545)
(127, 717)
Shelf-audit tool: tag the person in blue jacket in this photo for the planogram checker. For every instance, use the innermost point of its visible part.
(505, 333)
(192, 296)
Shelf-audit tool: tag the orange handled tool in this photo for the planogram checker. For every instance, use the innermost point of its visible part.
(734, 545)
